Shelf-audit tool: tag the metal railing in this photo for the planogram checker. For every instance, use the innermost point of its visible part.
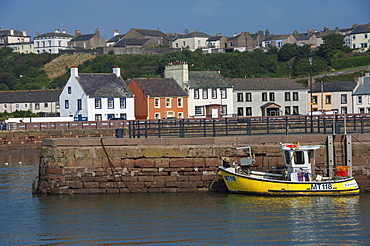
(209, 127)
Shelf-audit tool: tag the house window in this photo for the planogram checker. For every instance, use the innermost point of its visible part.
(287, 110)
(97, 103)
(240, 111)
(359, 99)
(295, 96)
(157, 116)
(168, 102)
(98, 117)
(363, 45)
(5, 105)
(17, 106)
(157, 103)
(110, 103)
(314, 99)
(180, 115)
(179, 102)
(231, 44)
(267, 44)
(214, 93)
(264, 96)
(196, 94)
(205, 93)
(223, 109)
(248, 111)
(248, 97)
(69, 90)
(66, 104)
(354, 37)
(123, 116)
(343, 98)
(287, 96)
(183, 42)
(79, 104)
(122, 102)
(295, 110)
(343, 110)
(353, 46)
(57, 105)
(328, 99)
(365, 35)
(279, 44)
(272, 96)
(26, 105)
(223, 93)
(198, 42)
(239, 97)
(46, 105)
(199, 110)
(361, 110)
(177, 45)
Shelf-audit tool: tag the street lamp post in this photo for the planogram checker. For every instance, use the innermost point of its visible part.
(29, 97)
(310, 59)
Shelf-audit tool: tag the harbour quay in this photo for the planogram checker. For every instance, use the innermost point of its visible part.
(107, 165)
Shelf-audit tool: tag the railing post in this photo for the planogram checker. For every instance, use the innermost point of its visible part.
(204, 128)
(324, 119)
(354, 122)
(305, 124)
(226, 125)
(318, 124)
(362, 125)
(146, 129)
(286, 126)
(249, 126)
(159, 128)
(268, 125)
(214, 127)
(182, 134)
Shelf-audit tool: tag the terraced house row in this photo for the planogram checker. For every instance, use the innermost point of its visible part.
(146, 41)
(187, 94)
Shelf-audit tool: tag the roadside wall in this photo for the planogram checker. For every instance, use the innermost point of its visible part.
(117, 165)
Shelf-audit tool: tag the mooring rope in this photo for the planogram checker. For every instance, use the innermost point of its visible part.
(113, 169)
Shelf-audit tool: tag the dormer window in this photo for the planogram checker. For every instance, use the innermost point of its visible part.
(69, 90)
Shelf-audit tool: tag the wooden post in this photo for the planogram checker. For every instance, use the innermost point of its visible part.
(348, 152)
(330, 152)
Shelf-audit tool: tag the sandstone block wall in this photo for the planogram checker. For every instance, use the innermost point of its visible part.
(110, 165)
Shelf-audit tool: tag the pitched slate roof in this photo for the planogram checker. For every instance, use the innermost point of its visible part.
(36, 96)
(55, 34)
(152, 33)
(104, 85)
(363, 89)
(116, 38)
(160, 87)
(196, 35)
(265, 84)
(83, 37)
(214, 38)
(334, 86)
(7, 33)
(207, 79)
(303, 36)
(361, 29)
(277, 37)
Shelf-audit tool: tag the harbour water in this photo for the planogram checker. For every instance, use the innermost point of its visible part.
(175, 219)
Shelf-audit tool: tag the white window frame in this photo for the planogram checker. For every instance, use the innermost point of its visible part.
(168, 102)
(179, 102)
(199, 110)
(157, 102)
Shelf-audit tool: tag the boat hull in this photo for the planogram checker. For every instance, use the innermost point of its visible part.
(239, 183)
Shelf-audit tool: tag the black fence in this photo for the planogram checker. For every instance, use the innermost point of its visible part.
(307, 124)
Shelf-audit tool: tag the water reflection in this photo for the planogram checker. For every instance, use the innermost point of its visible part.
(175, 219)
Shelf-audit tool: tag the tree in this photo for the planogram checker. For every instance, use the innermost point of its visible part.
(333, 43)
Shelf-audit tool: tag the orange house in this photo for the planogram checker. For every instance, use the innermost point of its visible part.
(158, 99)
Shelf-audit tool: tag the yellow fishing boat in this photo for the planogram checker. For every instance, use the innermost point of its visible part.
(296, 178)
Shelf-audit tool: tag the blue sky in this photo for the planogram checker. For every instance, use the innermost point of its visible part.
(209, 16)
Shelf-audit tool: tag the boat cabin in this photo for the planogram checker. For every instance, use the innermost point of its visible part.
(300, 161)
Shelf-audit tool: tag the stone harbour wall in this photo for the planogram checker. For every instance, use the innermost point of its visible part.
(118, 165)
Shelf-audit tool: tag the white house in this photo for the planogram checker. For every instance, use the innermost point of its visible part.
(194, 40)
(210, 96)
(97, 97)
(52, 42)
(361, 95)
(268, 97)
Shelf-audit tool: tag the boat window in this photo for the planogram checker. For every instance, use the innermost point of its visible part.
(299, 157)
(287, 157)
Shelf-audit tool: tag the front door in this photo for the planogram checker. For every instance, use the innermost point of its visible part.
(110, 116)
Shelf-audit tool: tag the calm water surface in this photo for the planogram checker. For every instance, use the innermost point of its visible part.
(175, 219)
